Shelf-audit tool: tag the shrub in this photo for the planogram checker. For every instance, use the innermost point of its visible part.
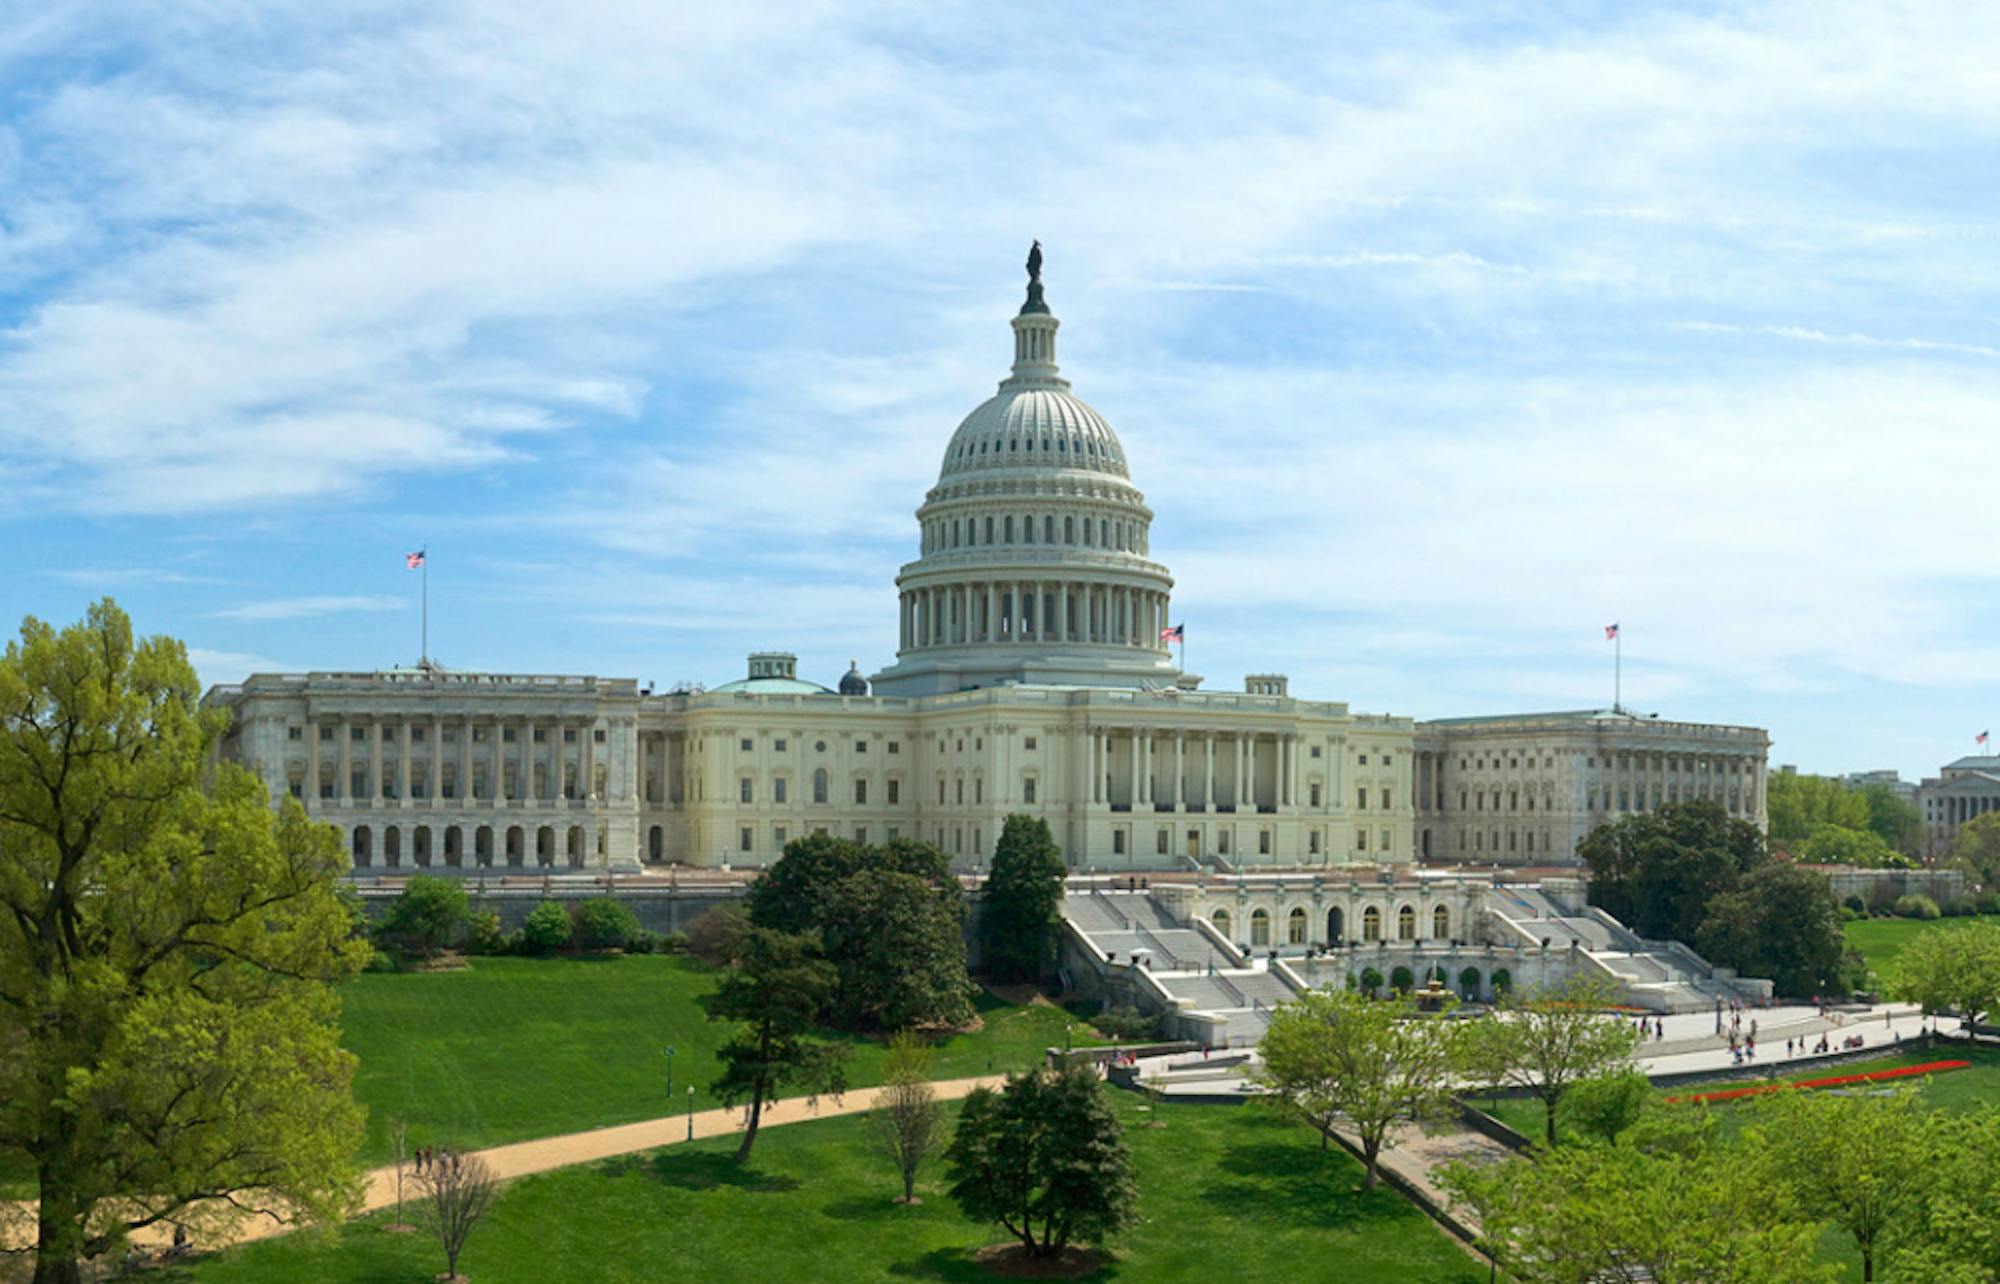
(1401, 980)
(429, 915)
(1126, 1022)
(605, 923)
(709, 936)
(673, 942)
(643, 942)
(483, 935)
(1855, 904)
(1962, 907)
(1990, 903)
(1912, 905)
(378, 961)
(1849, 914)
(1371, 980)
(546, 929)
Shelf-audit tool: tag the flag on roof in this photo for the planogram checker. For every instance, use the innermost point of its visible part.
(414, 560)
(1174, 633)
(1979, 739)
(1610, 632)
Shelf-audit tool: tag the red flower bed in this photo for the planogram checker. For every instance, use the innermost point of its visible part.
(1829, 1081)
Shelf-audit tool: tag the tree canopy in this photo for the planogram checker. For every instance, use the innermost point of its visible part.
(1951, 968)
(776, 985)
(1338, 1056)
(890, 919)
(430, 914)
(1657, 871)
(1020, 910)
(1044, 1157)
(1552, 1037)
(1781, 922)
(168, 956)
(1976, 850)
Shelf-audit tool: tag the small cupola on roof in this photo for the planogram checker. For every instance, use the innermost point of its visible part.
(851, 682)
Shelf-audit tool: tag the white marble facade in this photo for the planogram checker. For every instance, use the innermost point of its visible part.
(1031, 676)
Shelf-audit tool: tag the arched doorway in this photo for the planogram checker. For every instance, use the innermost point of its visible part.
(1336, 926)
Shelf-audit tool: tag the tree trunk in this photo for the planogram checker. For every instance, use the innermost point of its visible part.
(1867, 1266)
(909, 1185)
(750, 1131)
(59, 1228)
(1549, 1109)
(1369, 1151)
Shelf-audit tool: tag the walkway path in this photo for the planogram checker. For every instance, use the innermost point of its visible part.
(522, 1158)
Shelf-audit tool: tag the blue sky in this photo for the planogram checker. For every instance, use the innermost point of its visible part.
(1438, 337)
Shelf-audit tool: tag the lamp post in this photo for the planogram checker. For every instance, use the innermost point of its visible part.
(670, 1074)
(690, 1112)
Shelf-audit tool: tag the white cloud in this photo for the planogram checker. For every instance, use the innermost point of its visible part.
(303, 608)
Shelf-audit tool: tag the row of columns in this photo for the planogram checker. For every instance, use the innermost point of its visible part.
(492, 754)
(1638, 781)
(998, 611)
(1960, 810)
(1143, 778)
(457, 846)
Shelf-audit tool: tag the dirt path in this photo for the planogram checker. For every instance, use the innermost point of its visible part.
(522, 1158)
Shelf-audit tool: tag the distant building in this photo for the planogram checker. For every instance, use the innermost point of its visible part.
(1960, 791)
(1904, 789)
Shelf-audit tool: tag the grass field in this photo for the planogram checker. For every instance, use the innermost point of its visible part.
(1226, 1193)
(1879, 940)
(508, 1048)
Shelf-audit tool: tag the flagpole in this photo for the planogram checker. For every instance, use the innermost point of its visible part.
(425, 646)
(1618, 669)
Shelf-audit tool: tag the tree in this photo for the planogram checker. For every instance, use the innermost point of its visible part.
(1954, 968)
(457, 1191)
(1794, 803)
(1857, 1162)
(605, 923)
(776, 985)
(1335, 1056)
(168, 955)
(1953, 1234)
(908, 1118)
(1829, 844)
(897, 943)
(1605, 1106)
(1020, 908)
(1895, 818)
(546, 929)
(430, 914)
(1045, 1158)
(1557, 1035)
(1622, 1214)
(1976, 850)
(1657, 871)
(891, 920)
(1782, 922)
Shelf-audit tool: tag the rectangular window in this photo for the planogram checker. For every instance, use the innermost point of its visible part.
(1314, 792)
(743, 839)
(326, 733)
(1031, 744)
(416, 735)
(1361, 840)
(1222, 842)
(894, 833)
(779, 745)
(861, 833)
(1388, 835)
(778, 789)
(295, 733)
(1315, 751)
(1312, 842)
(861, 791)
(1263, 842)
(1364, 759)
(895, 792)
(778, 837)
(894, 747)
(389, 735)
(1028, 790)
(743, 790)
(1386, 804)
(1361, 798)
(1160, 843)
(541, 735)
(743, 745)
(1117, 840)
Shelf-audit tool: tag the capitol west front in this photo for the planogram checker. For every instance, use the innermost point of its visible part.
(1030, 677)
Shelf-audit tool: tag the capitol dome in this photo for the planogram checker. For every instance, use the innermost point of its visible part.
(1034, 552)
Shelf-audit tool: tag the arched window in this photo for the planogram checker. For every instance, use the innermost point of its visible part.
(819, 784)
(1260, 927)
(1295, 927)
(1220, 919)
(1406, 923)
(1441, 924)
(1371, 924)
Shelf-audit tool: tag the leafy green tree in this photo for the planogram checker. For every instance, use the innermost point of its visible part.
(776, 985)
(430, 914)
(1895, 818)
(1605, 1106)
(891, 920)
(897, 943)
(1338, 1056)
(908, 1119)
(1827, 844)
(1976, 850)
(1604, 1213)
(1857, 1162)
(1794, 804)
(605, 923)
(546, 929)
(1045, 1158)
(1020, 907)
(1951, 968)
(1556, 1036)
(1782, 922)
(168, 955)
(1657, 871)
(1953, 1234)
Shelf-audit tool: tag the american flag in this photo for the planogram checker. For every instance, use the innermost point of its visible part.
(414, 560)
(1979, 739)
(1174, 633)
(1610, 632)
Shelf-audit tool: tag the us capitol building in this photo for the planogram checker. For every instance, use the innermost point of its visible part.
(1031, 676)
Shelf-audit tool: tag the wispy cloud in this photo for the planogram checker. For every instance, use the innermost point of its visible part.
(305, 608)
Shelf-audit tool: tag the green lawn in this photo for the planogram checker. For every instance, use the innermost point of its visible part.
(1227, 1193)
(510, 1048)
(1879, 940)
